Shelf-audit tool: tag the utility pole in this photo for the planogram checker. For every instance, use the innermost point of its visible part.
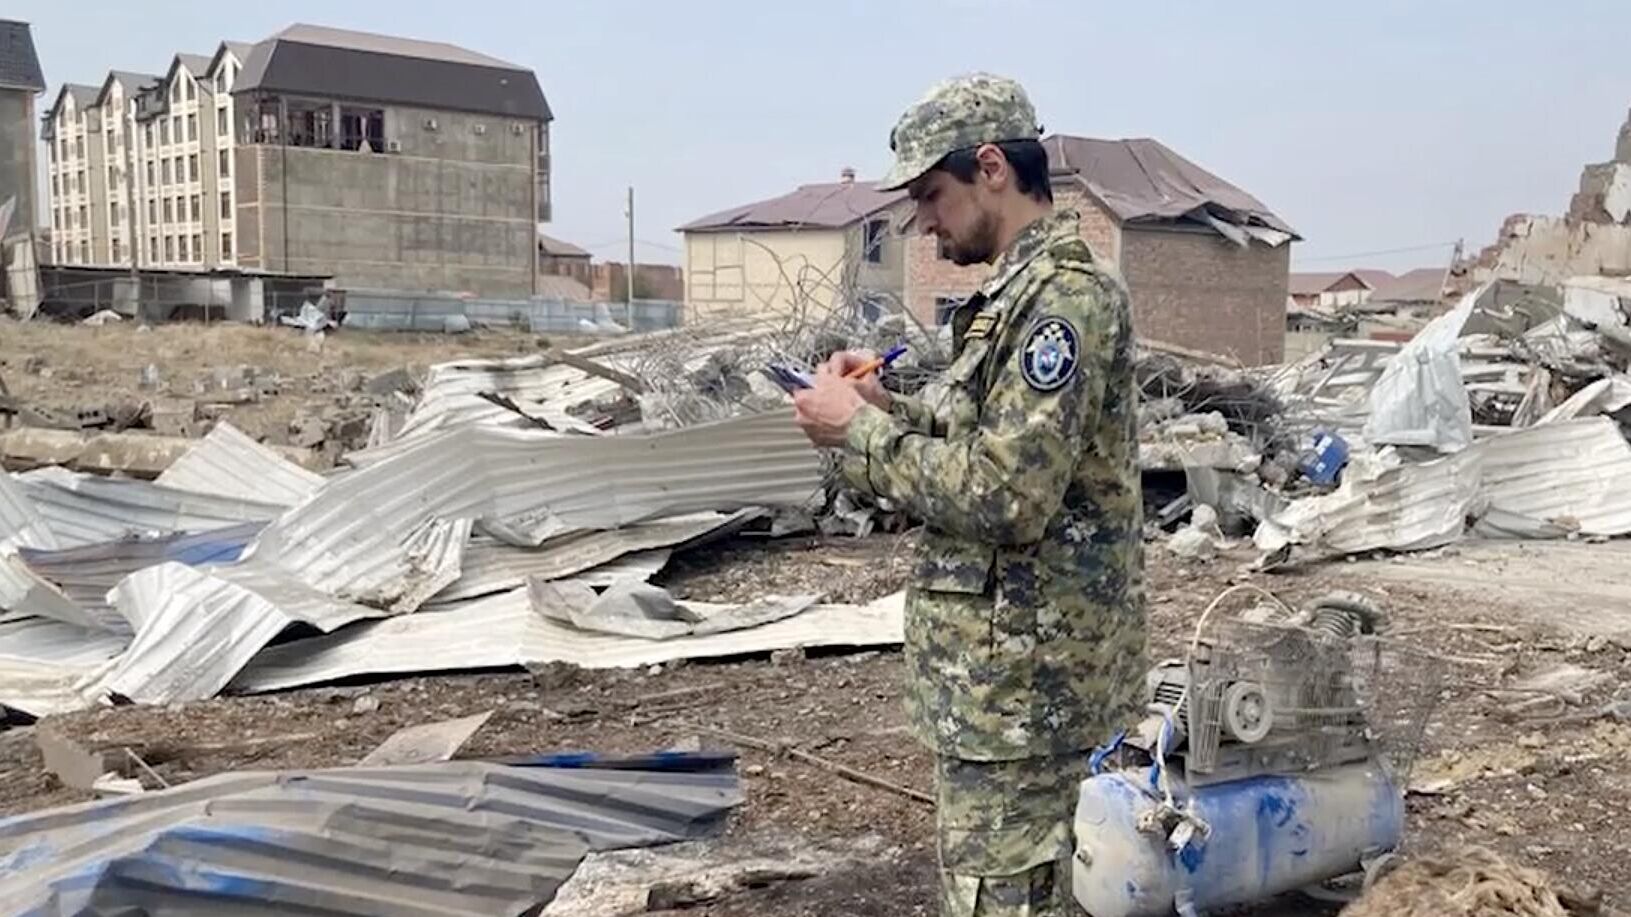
(629, 312)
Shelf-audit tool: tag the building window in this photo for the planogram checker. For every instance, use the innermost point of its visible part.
(148, 132)
(56, 218)
(226, 246)
(872, 244)
(169, 248)
(56, 185)
(113, 214)
(226, 205)
(181, 170)
(192, 127)
(164, 133)
(311, 124)
(187, 90)
(175, 91)
(192, 167)
(166, 171)
(175, 129)
(225, 165)
(85, 252)
(221, 121)
(197, 211)
(181, 249)
(198, 247)
(169, 212)
(84, 217)
(81, 186)
(152, 211)
(79, 147)
(150, 173)
(113, 176)
(944, 306)
(116, 251)
(362, 125)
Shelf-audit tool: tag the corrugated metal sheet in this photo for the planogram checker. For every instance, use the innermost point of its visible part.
(23, 591)
(1381, 504)
(42, 663)
(196, 629)
(21, 523)
(415, 841)
(86, 574)
(347, 539)
(492, 566)
(84, 510)
(504, 631)
(1576, 473)
(227, 463)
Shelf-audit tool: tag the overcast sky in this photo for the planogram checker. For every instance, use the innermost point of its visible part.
(1370, 127)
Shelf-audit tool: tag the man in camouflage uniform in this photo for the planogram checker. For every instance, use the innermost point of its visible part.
(1025, 630)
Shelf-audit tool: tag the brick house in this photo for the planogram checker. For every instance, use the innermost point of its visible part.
(1330, 289)
(1207, 264)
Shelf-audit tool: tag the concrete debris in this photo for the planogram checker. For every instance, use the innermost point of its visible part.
(104, 317)
(426, 743)
(1201, 539)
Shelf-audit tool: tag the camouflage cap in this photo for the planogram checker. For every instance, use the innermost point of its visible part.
(959, 113)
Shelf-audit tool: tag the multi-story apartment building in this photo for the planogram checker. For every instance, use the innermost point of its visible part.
(383, 162)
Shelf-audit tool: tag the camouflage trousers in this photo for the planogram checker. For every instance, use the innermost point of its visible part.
(1004, 832)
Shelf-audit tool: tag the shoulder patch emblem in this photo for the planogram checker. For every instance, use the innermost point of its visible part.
(1049, 357)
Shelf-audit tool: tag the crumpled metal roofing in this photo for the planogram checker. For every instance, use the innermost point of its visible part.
(196, 629)
(86, 574)
(504, 631)
(83, 509)
(21, 523)
(1574, 472)
(457, 837)
(526, 486)
(42, 662)
(227, 463)
(490, 567)
(23, 591)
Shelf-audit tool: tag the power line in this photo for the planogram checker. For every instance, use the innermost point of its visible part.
(1386, 251)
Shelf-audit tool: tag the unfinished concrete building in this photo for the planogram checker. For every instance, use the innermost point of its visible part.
(20, 81)
(390, 163)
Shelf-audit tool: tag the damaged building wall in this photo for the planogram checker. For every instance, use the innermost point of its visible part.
(453, 210)
(1198, 289)
(1591, 238)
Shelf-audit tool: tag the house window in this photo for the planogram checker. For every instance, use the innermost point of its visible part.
(944, 306)
(153, 249)
(84, 217)
(79, 147)
(362, 125)
(56, 218)
(192, 167)
(196, 210)
(113, 214)
(116, 251)
(152, 211)
(226, 205)
(175, 129)
(221, 122)
(167, 171)
(187, 88)
(192, 127)
(85, 252)
(80, 185)
(181, 170)
(169, 248)
(225, 165)
(181, 249)
(175, 91)
(872, 244)
(148, 131)
(169, 211)
(164, 133)
(311, 124)
(198, 247)
(56, 186)
(226, 246)
(113, 176)
(150, 173)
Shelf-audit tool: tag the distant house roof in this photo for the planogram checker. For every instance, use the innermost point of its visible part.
(557, 248)
(551, 286)
(1309, 283)
(1145, 181)
(19, 64)
(1373, 278)
(131, 80)
(334, 63)
(832, 205)
(196, 64)
(1424, 284)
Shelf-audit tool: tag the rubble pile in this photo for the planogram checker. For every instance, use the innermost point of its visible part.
(496, 512)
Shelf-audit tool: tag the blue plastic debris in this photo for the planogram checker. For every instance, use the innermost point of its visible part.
(1326, 458)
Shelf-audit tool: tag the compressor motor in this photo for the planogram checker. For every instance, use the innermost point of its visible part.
(1256, 772)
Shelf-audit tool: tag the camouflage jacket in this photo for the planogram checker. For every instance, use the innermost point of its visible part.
(1025, 630)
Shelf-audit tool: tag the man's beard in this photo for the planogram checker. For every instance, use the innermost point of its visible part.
(981, 246)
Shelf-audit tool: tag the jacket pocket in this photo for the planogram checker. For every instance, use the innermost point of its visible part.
(948, 564)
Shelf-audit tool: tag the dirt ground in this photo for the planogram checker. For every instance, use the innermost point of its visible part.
(66, 367)
(1537, 776)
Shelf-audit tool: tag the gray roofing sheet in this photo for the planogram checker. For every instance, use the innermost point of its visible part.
(457, 837)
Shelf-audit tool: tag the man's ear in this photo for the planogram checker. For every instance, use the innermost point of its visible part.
(993, 166)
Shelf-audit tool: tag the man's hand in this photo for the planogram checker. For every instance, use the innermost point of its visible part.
(825, 410)
(868, 386)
